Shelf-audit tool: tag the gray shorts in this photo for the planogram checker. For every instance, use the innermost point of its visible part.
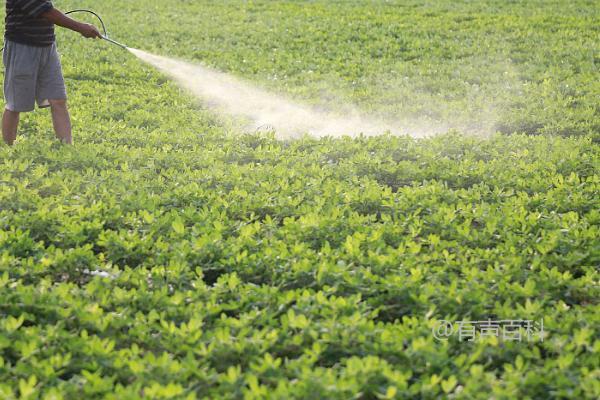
(32, 74)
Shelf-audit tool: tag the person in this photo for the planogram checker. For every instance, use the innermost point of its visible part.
(33, 71)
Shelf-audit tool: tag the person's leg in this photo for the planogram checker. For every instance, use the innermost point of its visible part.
(51, 91)
(20, 65)
(10, 123)
(61, 120)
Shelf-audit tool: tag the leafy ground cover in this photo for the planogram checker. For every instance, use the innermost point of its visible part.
(166, 256)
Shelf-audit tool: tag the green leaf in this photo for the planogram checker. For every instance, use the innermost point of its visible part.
(449, 384)
(178, 227)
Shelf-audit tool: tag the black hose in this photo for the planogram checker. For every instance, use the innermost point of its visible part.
(93, 13)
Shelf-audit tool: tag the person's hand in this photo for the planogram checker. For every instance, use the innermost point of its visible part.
(89, 31)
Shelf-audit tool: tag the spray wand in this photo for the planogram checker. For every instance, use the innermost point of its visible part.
(105, 36)
(115, 42)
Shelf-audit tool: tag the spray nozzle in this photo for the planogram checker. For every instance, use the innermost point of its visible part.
(114, 42)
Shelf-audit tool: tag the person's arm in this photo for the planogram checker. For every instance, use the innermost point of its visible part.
(58, 18)
(45, 9)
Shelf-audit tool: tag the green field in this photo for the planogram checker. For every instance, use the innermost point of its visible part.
(170, 255)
